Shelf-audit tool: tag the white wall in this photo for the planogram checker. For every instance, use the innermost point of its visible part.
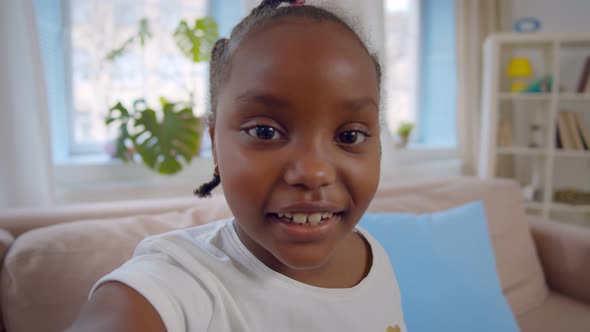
(555, 15)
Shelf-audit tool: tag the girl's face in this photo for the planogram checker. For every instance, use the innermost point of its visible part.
(296, 136)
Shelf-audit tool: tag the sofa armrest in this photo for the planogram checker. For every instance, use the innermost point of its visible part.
(564, 251)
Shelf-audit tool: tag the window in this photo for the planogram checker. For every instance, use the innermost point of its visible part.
(153, 71)
(76, 36)
(438, 90)
(401, 61)
(420, 75)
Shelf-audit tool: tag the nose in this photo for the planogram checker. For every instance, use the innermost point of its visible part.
(310, 169)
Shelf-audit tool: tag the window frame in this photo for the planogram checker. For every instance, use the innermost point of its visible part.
(72, 149)
(417, 23)
(416, 137)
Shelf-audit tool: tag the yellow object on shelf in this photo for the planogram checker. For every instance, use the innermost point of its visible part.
(518, 86)
(519, 68)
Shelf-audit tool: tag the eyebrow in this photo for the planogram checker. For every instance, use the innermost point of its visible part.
(274, 101)
(258, 97)
(359, 104)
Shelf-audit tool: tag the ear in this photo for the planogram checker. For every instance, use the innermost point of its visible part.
(212, 137)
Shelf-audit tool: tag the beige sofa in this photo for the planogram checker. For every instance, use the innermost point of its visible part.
(58, 254)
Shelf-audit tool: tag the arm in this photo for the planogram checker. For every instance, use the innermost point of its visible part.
(564, 251)
(116, 307)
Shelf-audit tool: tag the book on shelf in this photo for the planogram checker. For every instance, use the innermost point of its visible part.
(572, 133)
(565, 134)
(573, 126)
(571, 196)
(583, 130)
(558, 142)
(505, 133)
(583, 82)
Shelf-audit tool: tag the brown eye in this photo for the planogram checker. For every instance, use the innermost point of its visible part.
(351, 137)
(264, 132)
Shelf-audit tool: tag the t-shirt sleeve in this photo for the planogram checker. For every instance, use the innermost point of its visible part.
(166, 285)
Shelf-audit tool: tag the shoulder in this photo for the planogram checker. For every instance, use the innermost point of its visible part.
(175, 273)
(117, 307)
(203, 237)
(376, 247)
(381, 264)
(201, 253)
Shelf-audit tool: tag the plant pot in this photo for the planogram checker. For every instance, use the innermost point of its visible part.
(403, 142)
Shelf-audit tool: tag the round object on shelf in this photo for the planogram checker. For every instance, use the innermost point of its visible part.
(527, 24)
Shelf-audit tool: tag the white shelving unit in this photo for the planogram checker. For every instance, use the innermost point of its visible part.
(561, 56)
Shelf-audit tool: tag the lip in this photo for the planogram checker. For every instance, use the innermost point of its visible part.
(309, 207)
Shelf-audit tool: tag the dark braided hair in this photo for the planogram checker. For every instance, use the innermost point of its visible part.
(223, 50)
(205, 189)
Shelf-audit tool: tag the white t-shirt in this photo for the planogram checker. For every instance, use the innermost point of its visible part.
(204, 279)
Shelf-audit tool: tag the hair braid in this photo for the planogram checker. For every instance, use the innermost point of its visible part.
(205, 189)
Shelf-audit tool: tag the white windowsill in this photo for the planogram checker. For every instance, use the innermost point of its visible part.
(84, 180)
(98, 179)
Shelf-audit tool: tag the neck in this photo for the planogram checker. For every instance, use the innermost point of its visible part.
(348, 265)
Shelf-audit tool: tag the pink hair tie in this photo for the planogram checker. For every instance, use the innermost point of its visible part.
(299, 2)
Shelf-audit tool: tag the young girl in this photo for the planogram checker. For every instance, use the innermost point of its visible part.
(295, 129)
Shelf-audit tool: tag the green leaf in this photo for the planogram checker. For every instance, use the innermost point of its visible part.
(119, 51)
(169, 166)
(120, 116)
(161, 143)
(405, 128)
(197, 42)
(143, 34)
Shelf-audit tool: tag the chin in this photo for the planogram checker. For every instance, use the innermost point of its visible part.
(303, 257)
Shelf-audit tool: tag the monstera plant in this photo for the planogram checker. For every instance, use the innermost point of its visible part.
(197, 41)
(162, 138)
(159, 142)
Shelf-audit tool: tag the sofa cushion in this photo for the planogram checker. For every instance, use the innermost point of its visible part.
(49, 271)
(6, 240)
(445, 268)
(564, 251)
(517, 263)
(556, 313)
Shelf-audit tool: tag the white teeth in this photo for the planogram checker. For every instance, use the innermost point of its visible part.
(314, 218)
(300, 218)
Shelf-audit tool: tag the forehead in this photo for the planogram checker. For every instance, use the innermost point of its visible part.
(299, 52)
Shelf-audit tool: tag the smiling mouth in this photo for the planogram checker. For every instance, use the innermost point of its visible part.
(306, 219)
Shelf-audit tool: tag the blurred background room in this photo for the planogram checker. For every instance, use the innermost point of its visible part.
(103, 137)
